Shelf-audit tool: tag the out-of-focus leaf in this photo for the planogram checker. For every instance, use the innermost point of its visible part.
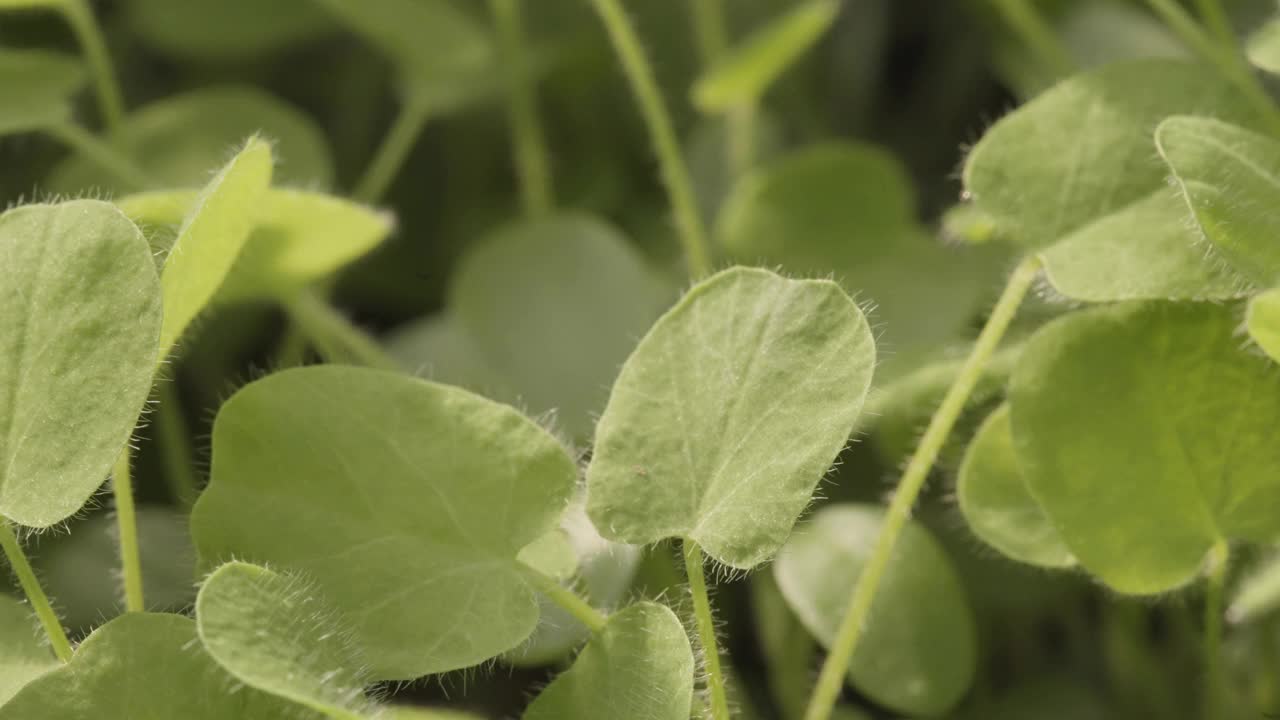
(226, 30)
(1263, 46)
(24, 656)
(1263, 322)
(1258, 593)
(37, 86)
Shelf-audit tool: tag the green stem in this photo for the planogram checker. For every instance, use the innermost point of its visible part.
(101, 154)
(292, 350)
(127, 525)
(333, 335)
(35, 594)
(86, 30)
(1215, 19)
(175, 448)
(706, 629)
(1036, 34)
(1226, 58)
(526, 129)
(392, 153)
(568, 600)
(1219, 560)
(740, 124)
(831, 679)
(709, 29)
(675, 174)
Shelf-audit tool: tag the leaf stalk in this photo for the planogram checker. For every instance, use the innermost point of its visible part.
(531, 156)
(1219, 562)
(127, 526)
(568, 600)
(392, 153)
(693, 564)
(35, 593)
(333, 335)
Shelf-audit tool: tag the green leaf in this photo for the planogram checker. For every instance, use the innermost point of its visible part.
(1144, 430)
(180, 140)
(1257, 595)
(1229, 177)
(728, 414)
(436, 348)
(407, 503)
(77, 352)
(227, 30)
(1082, 150)
(555, 306)
(748, 70)
(996, 503)
(849, 210)
(552, 555)
(1263, 322)
(210, 239)
(24, 656)
(1263, 46)
(639, 667)
(444, 57)
(274, 633)
(919, 649)
(38, 87)
(142, 665)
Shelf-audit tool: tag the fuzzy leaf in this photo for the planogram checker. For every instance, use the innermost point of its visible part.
(1263, 46)
(996, 503)
(38, 87)
(555, 306)
(24, 656)
(919, 649)
(274, 633)
(728, 413)
(210, 239)
(1263, 322)
(77, 352)
(1145, 433)
(224, 30)
(404, 500)
(639, 667)
(1230, 178)
(747, 71)
(552, 555)
(143, 666)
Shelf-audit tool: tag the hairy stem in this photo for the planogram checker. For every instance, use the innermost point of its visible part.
(1036, 34)
(1219, 560)
(675, 174)
(831, 679)
(568, 600)
(106, 85)
(175, 448)
(333, 335)
(101, 154)
(35, 594)
(127, 526)
(536, 193)
(392, 153)
(693, 566)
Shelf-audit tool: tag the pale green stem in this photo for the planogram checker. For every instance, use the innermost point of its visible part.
(1036, 34)
(175, 448)
(1226, 58)
(713, 43)
(333, 335)
(568, 600)
(1219, 561)
(127, 526)
(526, 129)
(1215, 19)
(675, 174)
(845, 644)
(709, 29)
(292, 350)
(693, 566)
(101, 154)
(392, 153)
(740, 124)
(35, 594)
(86, 30)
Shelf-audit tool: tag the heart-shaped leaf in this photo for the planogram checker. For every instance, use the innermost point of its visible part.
(1263, 322)
(78, 341)
(227, 30)
(639, 667)
(38, 86)
(143, 665)
(996, 503)
(405, 501)
(728, 414)
(1144, 430)
(23, 655)
(919, 649)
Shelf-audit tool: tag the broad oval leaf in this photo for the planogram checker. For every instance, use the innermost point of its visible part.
(38, 87)
(24, 655)
(1263, 322)
(180, 140)
(143, 665)
(919, 649)
(210, 239)
(1230, 178)
(638, 667)
(748, 70)
(224, 30)
(274, 633)
(728, 414)
(78, 338)
(1144, 431)
(437, 348)
(996, 503)
(1263, 46)
(554, 306)
(1258, 593)
(405, 501)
